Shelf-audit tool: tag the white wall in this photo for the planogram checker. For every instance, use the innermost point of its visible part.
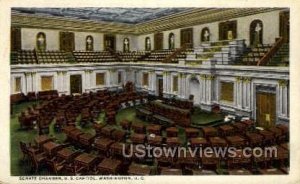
(80, 40)
(133, 46)
(176, 33)
(28, 37)
(270, 30)
(141, 41)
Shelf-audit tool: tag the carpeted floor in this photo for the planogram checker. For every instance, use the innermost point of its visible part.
(18, 167)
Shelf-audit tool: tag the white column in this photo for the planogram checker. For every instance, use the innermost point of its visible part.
(34, 82)
(239, 95)
(283, 97)
(203, 88)
(28, 82)
(209, 86)
(65, 86)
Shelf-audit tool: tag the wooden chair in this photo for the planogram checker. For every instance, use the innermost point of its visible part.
(37, 160)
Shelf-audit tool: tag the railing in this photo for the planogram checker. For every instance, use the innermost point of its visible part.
(112, 52)
(169, 58)
(266, 58)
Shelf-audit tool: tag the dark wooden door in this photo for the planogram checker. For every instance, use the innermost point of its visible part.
(15, 39)
(158, 41)
(67, 41)
(265, 109)
(285, 26)
(109, 42)
(160, 86)
(75, 84)
(225, 27)
(186, 37)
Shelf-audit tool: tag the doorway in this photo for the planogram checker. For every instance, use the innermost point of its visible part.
(186, 37)
(265, 109)
(195, 90)
(285, 26)
(160, 86)
(75, 84)
(67, 41)
(158, 41)
(228, 30)
(109, 42)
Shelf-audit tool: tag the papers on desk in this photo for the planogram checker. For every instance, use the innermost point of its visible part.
(259, 128)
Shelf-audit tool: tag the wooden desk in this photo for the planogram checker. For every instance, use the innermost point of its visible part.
(239, 126)
(236, 140)
(283, 128)
(68, 129)
(154, 129)
(167, 171)
(268, 136)
(86, 160)
(86, 139)
(226, 130)
(248, 123)
(254, 138)
(103, 144)
(239, 172)
(109, 166)
(138, 138)
(42, 139)
(217, 142)
(270, 171)
(188, 159)
(66, 154)
(51, 148)
(107, 131)
(155, 141)
(118, 135)
(117, 148)
(199, 141)
(74, 134)
(172, 132)
(138, 128)
(173, 141)
(276, 131)
(136, 169)
(191, 132)
(209, 132)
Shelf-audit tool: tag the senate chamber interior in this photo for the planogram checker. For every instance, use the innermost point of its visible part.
(91, 84)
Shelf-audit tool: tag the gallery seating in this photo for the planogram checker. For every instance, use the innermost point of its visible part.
(93, 56)
(51, 57)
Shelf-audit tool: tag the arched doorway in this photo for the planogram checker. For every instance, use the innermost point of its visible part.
(194, 89)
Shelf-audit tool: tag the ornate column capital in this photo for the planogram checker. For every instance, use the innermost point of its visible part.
(151, 71)
(27, 74)
(203, 76)
(247, 79)
(88, 71)
(239, 79)
(283, 82)
(166, 72)
(210, 77)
